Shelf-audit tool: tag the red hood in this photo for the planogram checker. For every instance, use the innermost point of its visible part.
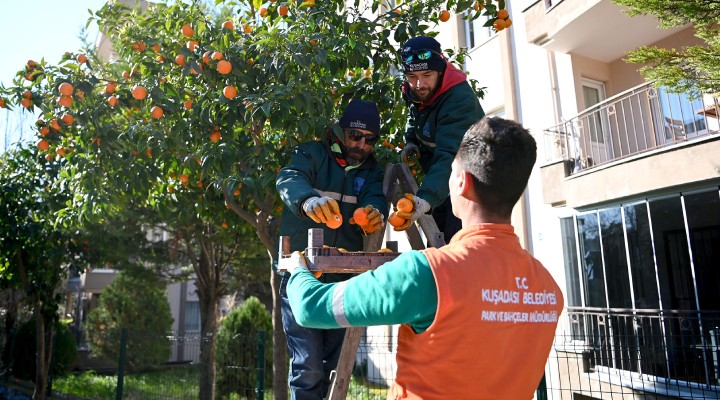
(450, 78)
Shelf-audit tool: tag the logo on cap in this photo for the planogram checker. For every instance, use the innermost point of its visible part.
(358, 124)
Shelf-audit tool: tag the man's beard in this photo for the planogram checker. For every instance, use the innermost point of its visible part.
(355, 155)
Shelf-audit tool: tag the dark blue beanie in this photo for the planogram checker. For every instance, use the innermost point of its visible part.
(361, 114)
(410, 50)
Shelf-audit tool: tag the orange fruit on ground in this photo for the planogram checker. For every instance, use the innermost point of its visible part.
(360, 216)
(43, 144)
(335, 222)
(139, 92)
(499, 24)
(405, 205)
(224, 67)
(502, 14)
(215, 137)
(283, 10)
(217, 55)
(444, 15)
(110, 87)
(66, 89)
(229, 25)
(395, 221)
(180, 60)
(26, 103)
(263, 12)
(188, 104)
(65, 101)
(82, 58)
(112, 100)
(67, 119)
(230, 92)
(187, 30)
(157, 112)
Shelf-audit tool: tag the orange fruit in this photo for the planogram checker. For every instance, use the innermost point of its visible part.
(126, 74)
(184, 179)
(508, 22)
(188, 104)
(54, 124)
(2, 104)
(395, 221)
(478, 6)
(66, 89)
(313, 42)
(230, 92)
(200, 184)
(43, 144)
(335, 222)
(65, 101)
(499, 24)
(360, 216)
(44, 131)
(61, 151)
(26, 103)
(229, 25)
(155, 47)
(283, 10)
(139, 46)
(263, 12)
(224, 67)
(247, 29)
(27, 94)
(405, 205)
(206, 57)
(444, 15)
(67, 119)
(82, 58)
(148, 153)
(139, 92)
(157, 112)
(112, 100)
(309, 3)
(503, 14)
(180, 60)
(215, 137)
(187, 30)
(192, 44)
(29, 77)
(195, 71)
(224, 225)
(217, 55)
(110, 87)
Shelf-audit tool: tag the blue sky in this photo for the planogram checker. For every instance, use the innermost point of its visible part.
(36, 29)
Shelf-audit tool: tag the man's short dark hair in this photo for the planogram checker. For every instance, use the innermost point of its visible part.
(500, 155)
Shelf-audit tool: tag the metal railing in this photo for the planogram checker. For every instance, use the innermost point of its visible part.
(673, 353)
(638, 120)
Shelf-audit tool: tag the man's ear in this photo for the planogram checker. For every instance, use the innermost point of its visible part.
(465, 185)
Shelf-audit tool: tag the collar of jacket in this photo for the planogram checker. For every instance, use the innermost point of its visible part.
(452, 76)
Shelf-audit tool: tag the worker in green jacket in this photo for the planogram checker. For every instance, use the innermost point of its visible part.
(327, 181)
(441, 107)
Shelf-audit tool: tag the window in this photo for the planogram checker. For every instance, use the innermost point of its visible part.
(475, 33)
(192, 316)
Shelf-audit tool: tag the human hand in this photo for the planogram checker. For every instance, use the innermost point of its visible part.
(368, 218)
(410, 208)
(321, 209)
(297, 260)
(410, 151)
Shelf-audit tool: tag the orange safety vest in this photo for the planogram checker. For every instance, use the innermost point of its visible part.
(497, 312)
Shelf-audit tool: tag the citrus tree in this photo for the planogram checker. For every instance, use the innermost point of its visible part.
(194, 113)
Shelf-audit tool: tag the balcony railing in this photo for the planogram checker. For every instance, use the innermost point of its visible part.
(636, 121)
(678, 350)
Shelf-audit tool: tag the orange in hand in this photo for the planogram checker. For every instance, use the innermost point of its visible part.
(360, 216)
(334, 222)
(405, 205)
(396, 221)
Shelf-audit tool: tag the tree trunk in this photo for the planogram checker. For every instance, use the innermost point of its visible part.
(280, 361)
(209, 278)
(43, 349)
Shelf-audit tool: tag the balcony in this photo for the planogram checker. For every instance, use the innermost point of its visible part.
(639, 353)
(652, 131)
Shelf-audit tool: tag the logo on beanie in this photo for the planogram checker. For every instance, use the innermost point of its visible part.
(357, 124)
(416, 67)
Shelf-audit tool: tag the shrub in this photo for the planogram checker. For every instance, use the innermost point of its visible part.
(237, 349)
(24, 348)
(136, 301)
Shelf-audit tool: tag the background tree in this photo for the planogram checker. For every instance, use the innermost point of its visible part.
(134, 300)
(691, 69)
(198, 113)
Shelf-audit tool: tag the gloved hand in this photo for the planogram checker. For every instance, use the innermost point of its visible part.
(321, 209)
(410, 211)
(411, 150)
(368, 218)
(297, 260)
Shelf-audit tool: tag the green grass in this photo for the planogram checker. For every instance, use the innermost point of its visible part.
(179, 383)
